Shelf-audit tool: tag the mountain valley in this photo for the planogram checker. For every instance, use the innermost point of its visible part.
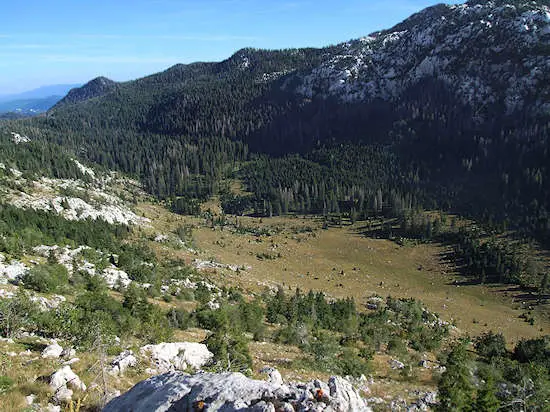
(372, 214)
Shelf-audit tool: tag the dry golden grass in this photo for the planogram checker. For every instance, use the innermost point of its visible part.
(342, 262)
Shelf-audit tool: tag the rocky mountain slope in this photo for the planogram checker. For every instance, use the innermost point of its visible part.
(493, 55)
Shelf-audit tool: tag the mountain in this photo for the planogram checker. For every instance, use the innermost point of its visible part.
(94, 88)
(40, 92)
(33, 101)
(29, 106)
(448, 109)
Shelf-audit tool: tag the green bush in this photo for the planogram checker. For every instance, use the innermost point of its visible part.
(350, 363)
(46, 278)
(16, 313)
(491, 346)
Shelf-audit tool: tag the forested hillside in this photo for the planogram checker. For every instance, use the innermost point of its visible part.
(447, 110)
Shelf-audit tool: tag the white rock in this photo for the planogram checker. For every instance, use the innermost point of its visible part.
(273, 375)
(63, 394)
(71, 361)
(114, 277)
(395, 364)
(65, 376)
(29, 400)
(6, 294)
(17, 138)
(51, 408)
(52, 351)
(231, 392)
(12, 271)
(83, 169)
(122, 362)
(178, 355)
(68, 353)
(45, 304)
(161, 238)
(344, 396)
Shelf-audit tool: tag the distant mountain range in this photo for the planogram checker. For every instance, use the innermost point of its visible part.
(34, 101)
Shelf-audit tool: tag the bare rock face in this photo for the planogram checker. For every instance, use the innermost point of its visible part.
(177, 391)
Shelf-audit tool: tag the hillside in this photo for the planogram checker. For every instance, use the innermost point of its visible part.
(453, 101)
(102, 287)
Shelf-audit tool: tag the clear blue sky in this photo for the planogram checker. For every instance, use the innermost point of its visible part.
(46, 42)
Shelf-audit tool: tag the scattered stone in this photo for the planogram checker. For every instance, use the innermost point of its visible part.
(161, 238)
(29, 400)
(424, 364)
(395, 364)
(53, 351)
(232, 392)
(45, 304)
(122, 362)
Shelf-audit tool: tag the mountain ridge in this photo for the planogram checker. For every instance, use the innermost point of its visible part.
(451, 94)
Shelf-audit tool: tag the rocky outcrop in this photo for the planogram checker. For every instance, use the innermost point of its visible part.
(11, 271)
(115, 277)
(177, 355)
(177, 391)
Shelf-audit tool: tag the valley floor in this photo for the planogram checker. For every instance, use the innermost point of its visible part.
(342, 262)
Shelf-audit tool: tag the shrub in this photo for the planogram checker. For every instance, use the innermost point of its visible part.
(46, 278)
(349, 363)
(16, 313)
(491, 345)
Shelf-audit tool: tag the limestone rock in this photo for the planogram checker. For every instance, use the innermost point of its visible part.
(114, 277)
(11, 271)
(65, 376)
(63, 394)
(52, 351)
(234, 392)
(395, 364)
(344, 396)
(273, 375)
(178, 355)
(122, 362)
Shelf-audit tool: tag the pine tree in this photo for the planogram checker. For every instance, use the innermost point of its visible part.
(455, 387)
(487, 400)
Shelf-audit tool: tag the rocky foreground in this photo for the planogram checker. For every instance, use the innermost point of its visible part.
(178, 391)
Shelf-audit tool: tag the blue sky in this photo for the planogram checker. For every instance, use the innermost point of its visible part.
(46, 42)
